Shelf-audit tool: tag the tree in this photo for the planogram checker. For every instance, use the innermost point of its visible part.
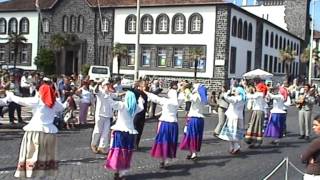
(15, 41)
(287, 56)
(45, 61)
(120, 51)
(57, 42)
(85, 69)
(195, 54)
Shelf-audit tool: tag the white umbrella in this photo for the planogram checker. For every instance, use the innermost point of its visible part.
(257, 73)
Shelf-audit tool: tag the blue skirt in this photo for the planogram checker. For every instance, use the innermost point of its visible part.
(275, 125)
(166, 142)
(192, 139)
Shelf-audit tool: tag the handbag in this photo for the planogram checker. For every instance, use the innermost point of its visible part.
(67, 116)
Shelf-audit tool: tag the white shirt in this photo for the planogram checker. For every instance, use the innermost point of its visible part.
(235, 108)
(85, 96)
(43, 116)
(278, 103)
(196, 108)
(169, 106)
(24, 83)
(124, 122)
(258, 101)
(104, 104)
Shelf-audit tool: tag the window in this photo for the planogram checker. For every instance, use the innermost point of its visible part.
(80, 23)
(45, 26)
(280, 43)
(249, 57)
(3, 26)
(276, 42)
(245, 30)
(146, 56)
(178, 24)
(283, 66)
(73, 24)
(24, 26)
(178, 57)
(288, 44)
(13, 25)
(271, 40)
(284, 43)
(298, 49)
(250, 32)
(195, 23)
(295, 47)
(294, 68)
(265, 63)
(162, 57)
(105, 25)
(275, 64)
(131, 54)
(24, 54)
(279, 67)
(240, 28)
(131, 24)
(291, 46)
(297, 68)
(266, 38)
(11, 56)
(147, 24)
(162, 24)
(2, 53)
(234, 26)
(233, 57)
(270, 64)
(65, 24)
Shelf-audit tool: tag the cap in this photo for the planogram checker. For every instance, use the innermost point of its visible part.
(46, 79)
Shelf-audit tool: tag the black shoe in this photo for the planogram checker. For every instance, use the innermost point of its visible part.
(307, 138)
(301, 137)
(188, 157)
(162, 165)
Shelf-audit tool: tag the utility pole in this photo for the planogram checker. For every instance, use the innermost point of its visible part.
(137, 48)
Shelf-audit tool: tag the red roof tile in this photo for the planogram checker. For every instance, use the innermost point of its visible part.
(25, 5)
(316, 34)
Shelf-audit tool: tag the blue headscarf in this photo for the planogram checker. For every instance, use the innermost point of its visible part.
(242, 93)
(202, 90)
(131, 103)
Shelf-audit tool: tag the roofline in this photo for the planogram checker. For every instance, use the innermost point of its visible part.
(18, 10)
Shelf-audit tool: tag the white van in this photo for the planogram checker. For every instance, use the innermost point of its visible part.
(97, 73)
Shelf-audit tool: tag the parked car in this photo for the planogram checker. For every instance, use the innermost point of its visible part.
(98, 73)
(127, 80)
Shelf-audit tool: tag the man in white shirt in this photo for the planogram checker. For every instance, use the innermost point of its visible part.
(25, 85)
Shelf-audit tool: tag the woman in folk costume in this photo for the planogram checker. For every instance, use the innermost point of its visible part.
(193, 132)
(166, 141)
(233, 129)
(123, 133)
(38, 147)
(277, 118)
(254, 133)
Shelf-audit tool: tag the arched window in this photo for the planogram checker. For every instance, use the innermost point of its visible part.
(24, 26)
(266, 38)
(240, 28)
(284, 43)
(245, 30)
(105, 25)
(234, 26)
(271, 39)
(178, 24)
(45, 26)
(147, 24)
(80, 23)
(280, 43)
(3, 26)
(250, 32)
(288, 44)
(162, 24)
(276, 42)
(13, 25)
(291, 46)
(73, 24)
(131, 24)
(195, 23)
(65, 24)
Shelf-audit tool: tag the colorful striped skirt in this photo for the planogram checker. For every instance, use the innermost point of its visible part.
(232, 130)
(275, 125)
(37, 155)
(193, 135)
(120, 152)
(254, 132)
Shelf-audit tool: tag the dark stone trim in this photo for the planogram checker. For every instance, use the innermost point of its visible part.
(5, 25)
(126, 25)
(173, 31)
(157, 24)
(190, 22)
(141, 24)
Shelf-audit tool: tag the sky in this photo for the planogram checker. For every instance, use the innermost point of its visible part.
(317, 11)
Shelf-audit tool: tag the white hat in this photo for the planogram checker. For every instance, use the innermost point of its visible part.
(46, 79)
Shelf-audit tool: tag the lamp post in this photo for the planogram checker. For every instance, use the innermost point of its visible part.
(311, 42)
(137, 53)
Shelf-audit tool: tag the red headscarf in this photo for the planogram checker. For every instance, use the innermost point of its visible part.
(284, 92)
(261, 87)
(47, 95)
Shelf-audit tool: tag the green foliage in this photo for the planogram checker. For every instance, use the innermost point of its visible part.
(15, 41)
(196, 53)
(58, 41)
(45, 61)
(85, 69)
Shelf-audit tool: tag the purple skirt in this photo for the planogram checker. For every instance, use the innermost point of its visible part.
(166, 142)
(120, 152)
(193, 135)
(275, 125)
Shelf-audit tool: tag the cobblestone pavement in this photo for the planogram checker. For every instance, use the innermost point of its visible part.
(78, 163)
